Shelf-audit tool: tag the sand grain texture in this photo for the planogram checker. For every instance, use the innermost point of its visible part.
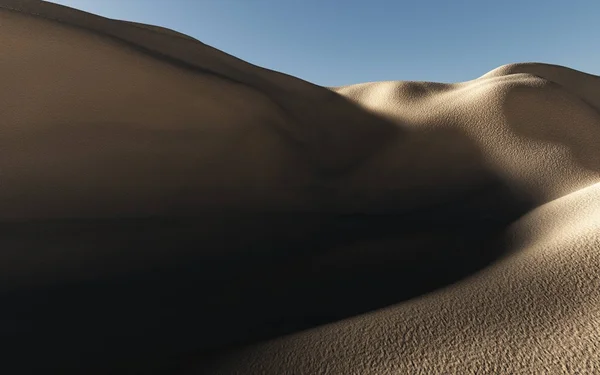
(169, 208)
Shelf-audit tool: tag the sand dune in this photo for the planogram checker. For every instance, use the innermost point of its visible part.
(169, 208)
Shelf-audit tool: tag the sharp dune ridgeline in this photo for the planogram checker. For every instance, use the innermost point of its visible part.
(167, 208)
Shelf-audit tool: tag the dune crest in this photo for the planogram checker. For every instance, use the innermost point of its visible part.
(536, 310)
(167, 207)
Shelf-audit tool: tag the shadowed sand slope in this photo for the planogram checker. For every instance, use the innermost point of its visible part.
(167, 208)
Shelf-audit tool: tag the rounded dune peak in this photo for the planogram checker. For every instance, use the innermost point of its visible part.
(582, 84)
(531, 68)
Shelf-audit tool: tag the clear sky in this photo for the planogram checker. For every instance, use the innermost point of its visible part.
(340, 42)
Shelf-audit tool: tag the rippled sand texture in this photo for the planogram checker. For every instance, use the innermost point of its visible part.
(169, 208)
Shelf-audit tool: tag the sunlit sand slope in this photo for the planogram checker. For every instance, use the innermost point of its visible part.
(537, 309)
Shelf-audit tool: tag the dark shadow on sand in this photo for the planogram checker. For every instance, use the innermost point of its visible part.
(197, 305)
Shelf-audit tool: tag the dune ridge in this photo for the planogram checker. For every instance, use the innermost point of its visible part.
(169, 208)
(537, 308)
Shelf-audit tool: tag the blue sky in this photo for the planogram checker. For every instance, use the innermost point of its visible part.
(340, 42)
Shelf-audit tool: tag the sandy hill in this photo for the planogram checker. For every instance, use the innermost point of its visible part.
(169, 208)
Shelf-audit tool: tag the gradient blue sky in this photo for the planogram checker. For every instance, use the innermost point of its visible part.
(339, 42)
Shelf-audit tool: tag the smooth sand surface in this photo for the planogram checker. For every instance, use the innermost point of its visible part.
(167, 208)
